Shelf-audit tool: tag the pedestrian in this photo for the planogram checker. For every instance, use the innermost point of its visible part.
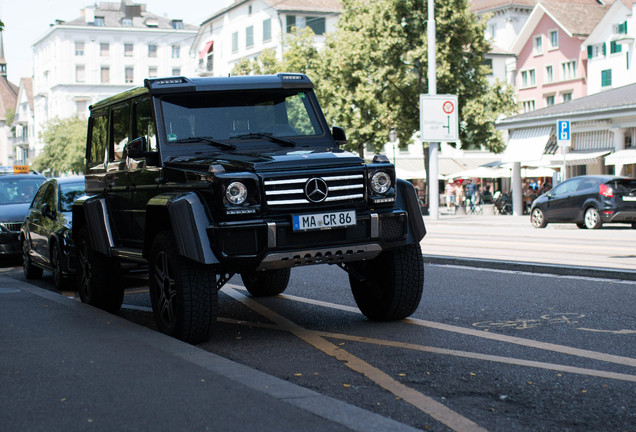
(471, 193)
(449, 191)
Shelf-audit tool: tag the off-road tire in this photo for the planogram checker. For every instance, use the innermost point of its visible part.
(99, 278)
(537, 218)
(266, 283)
(183, 292)
(389, 287)
(592, 218)
(30, 270)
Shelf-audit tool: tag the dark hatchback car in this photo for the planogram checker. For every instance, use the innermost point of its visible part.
(45, 235)
(16, 194)
(589, 201)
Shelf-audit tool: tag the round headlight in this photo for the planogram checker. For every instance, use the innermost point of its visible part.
(236, 193)
(380, 182)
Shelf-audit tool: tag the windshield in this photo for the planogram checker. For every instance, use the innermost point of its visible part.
(69, 192)
(240, 115)
(18, 191)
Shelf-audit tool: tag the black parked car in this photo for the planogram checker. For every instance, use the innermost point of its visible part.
(589, 201)
(45, 234)
(16, 193)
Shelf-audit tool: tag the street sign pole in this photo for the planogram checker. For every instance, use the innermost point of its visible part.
(433, 188)
(564, 141)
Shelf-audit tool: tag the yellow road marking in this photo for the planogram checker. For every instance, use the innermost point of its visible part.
(424, 403)
(445, 351)
(562, 349)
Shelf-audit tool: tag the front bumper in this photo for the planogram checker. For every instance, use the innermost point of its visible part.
(271, 244)
(10, 243)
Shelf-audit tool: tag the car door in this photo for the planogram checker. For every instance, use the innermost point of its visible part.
(143, 171)
(39, 221)
(559, 205)
(117, 183)
(588, 188)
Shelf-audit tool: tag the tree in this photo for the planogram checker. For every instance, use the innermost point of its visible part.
(64, 148)
(374, 68)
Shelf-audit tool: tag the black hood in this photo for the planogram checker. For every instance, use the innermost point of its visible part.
(14, 212)
(290, 160)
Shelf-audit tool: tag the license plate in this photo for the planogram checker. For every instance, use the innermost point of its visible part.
(324, 220)
(629, 198)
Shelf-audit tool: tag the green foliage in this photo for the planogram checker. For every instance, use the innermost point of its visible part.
(375, 66)
(64, 148)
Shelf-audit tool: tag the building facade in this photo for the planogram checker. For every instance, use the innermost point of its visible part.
(551, 65)
(610, 49)
(248, 27)
(110, 48)
(8, 97)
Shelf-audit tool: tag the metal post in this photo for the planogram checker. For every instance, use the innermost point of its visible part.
(433, 188)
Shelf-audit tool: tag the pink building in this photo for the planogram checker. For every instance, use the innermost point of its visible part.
(551, 64)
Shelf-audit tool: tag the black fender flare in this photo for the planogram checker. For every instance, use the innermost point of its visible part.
(92, 211)
(186, 215)
(406, 199)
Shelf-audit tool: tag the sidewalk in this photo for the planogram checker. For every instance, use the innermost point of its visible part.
(66, 366)
(512, 243)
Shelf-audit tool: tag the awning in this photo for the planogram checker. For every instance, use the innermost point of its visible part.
(588, 158)
(206, 49)
(481, 172)
(409, 169)
(623, 157)
(451, 165)
(526, 145)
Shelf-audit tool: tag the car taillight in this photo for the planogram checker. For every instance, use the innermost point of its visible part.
(606, 191)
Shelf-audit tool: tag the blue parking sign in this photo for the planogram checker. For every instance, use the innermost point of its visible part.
(563, 130)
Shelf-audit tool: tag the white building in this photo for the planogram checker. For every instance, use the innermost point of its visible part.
(247, 27)
(611, 49)
(110, 48)
(505, 18)
(24, 124)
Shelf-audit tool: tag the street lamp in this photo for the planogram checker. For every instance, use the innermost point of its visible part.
(393, 140)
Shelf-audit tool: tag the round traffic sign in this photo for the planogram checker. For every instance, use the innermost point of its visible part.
(448, 107)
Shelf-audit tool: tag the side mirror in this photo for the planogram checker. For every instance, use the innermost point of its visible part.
(137, 148)
(47, 211)
(339, 136)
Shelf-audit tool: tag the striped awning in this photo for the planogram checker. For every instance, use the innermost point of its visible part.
(525, 145)
(593, 140)
(578, 158)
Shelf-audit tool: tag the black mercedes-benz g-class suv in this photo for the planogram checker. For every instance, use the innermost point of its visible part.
(204, 178)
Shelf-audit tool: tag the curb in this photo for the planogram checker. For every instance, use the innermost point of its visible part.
(562, 270)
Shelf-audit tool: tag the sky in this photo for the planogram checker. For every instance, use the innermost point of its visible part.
(25, 21)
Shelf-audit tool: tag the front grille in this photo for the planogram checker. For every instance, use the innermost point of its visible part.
(11, 226)
(289, 191)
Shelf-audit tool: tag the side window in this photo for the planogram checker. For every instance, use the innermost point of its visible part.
(589, 184)
(144, 124)
(120, 131)
(40, 198)
(98, 141)
(567, 187)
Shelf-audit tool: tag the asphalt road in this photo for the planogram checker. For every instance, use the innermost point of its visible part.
(486, 350)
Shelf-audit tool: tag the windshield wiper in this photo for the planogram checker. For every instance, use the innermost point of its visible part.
(267, 135)
(206, 140)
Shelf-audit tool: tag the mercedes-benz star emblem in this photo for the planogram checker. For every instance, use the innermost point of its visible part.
(316, 190)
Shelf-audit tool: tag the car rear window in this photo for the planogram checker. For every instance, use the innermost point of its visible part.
(623, 185)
